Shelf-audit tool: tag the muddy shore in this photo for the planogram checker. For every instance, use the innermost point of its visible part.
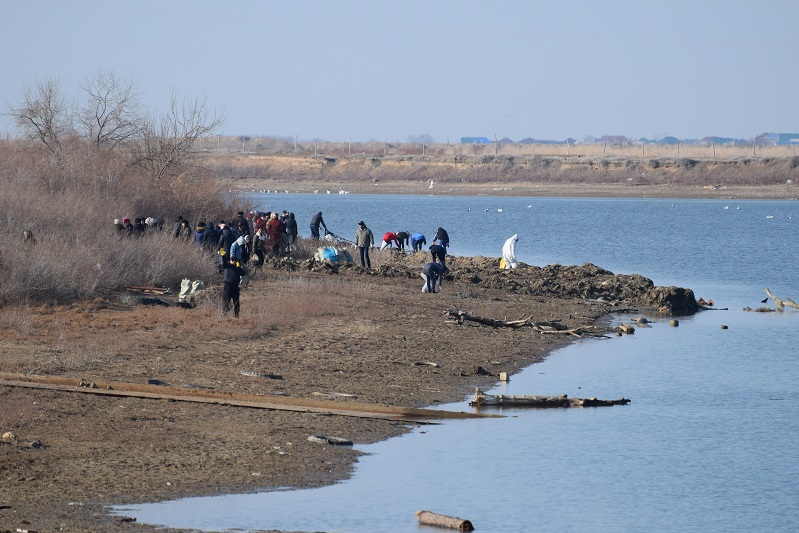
(343, 333)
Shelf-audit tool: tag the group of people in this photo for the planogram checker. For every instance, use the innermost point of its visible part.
(261, 234)
(140, 226)
(432, 272)
(256, 234)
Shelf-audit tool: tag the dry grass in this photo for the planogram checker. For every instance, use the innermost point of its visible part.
(88, 336)
(69, 204)
(262, 146)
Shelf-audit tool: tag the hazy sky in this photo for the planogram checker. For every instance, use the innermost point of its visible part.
(366, 70)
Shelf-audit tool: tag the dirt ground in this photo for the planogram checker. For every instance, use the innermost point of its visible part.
(323, 329)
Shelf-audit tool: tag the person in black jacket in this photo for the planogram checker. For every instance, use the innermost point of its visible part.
(226, 240)
(211, 237)
(290, 227)
(402, 238)
(234, 268)
(441, 237)
(438, 253)
(433, 272)
(241, 224)
(317, 221)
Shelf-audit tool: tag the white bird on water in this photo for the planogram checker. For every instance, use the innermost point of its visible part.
(499, 210)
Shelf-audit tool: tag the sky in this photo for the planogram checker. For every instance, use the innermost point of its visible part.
(372, 70)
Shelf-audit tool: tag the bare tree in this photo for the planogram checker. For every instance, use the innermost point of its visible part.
(43, 114)
(110, 116)
(168, 142)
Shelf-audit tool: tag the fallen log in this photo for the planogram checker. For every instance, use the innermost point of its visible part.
(440, 520)
(779, 303)
(482, 399)
(543, 327)
(153, 290)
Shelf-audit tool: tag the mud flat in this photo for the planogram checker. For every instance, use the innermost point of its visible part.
(309, 331)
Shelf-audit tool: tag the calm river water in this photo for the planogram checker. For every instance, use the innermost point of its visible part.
(709, 442)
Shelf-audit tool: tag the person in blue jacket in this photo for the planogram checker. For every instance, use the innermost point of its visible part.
(417, 241)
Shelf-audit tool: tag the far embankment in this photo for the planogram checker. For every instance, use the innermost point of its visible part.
(657, 176)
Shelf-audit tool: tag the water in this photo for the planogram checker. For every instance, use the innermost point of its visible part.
(709, 442)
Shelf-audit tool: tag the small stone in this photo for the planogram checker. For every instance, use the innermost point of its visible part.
(10, 436)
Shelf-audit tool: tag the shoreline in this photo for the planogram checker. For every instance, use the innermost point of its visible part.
(520, 189)
(97, 451)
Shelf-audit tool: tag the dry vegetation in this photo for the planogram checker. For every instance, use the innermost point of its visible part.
(366, 168)
(70, 203)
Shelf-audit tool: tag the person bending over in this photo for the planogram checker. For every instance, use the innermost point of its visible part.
(433, 272)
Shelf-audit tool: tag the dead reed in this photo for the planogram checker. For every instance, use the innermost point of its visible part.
(69, 204)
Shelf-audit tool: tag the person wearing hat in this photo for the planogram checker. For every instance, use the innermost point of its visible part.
(240, 224)
(364, 240)
(234, 269)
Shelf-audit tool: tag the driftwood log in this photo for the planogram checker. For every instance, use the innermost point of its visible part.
(779, 303)
(440, 520)
(482, 399)
(543, 327)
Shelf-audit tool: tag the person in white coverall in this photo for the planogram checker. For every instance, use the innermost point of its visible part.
(509, 252)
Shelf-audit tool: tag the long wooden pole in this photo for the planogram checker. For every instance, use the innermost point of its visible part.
(279, 403)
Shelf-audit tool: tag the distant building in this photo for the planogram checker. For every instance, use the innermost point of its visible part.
(787, 138)
(613, 139)
(475, 140)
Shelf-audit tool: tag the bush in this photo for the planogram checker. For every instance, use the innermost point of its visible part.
(69, 204)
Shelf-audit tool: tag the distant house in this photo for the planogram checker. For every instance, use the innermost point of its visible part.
(787, 138)
(720, 141)
(475, 140)
(613, 139)
(530, 140)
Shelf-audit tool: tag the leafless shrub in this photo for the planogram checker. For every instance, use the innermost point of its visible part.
(70, 207)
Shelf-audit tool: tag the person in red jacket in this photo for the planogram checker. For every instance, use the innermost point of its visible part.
(274, 229)
(388, 239)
